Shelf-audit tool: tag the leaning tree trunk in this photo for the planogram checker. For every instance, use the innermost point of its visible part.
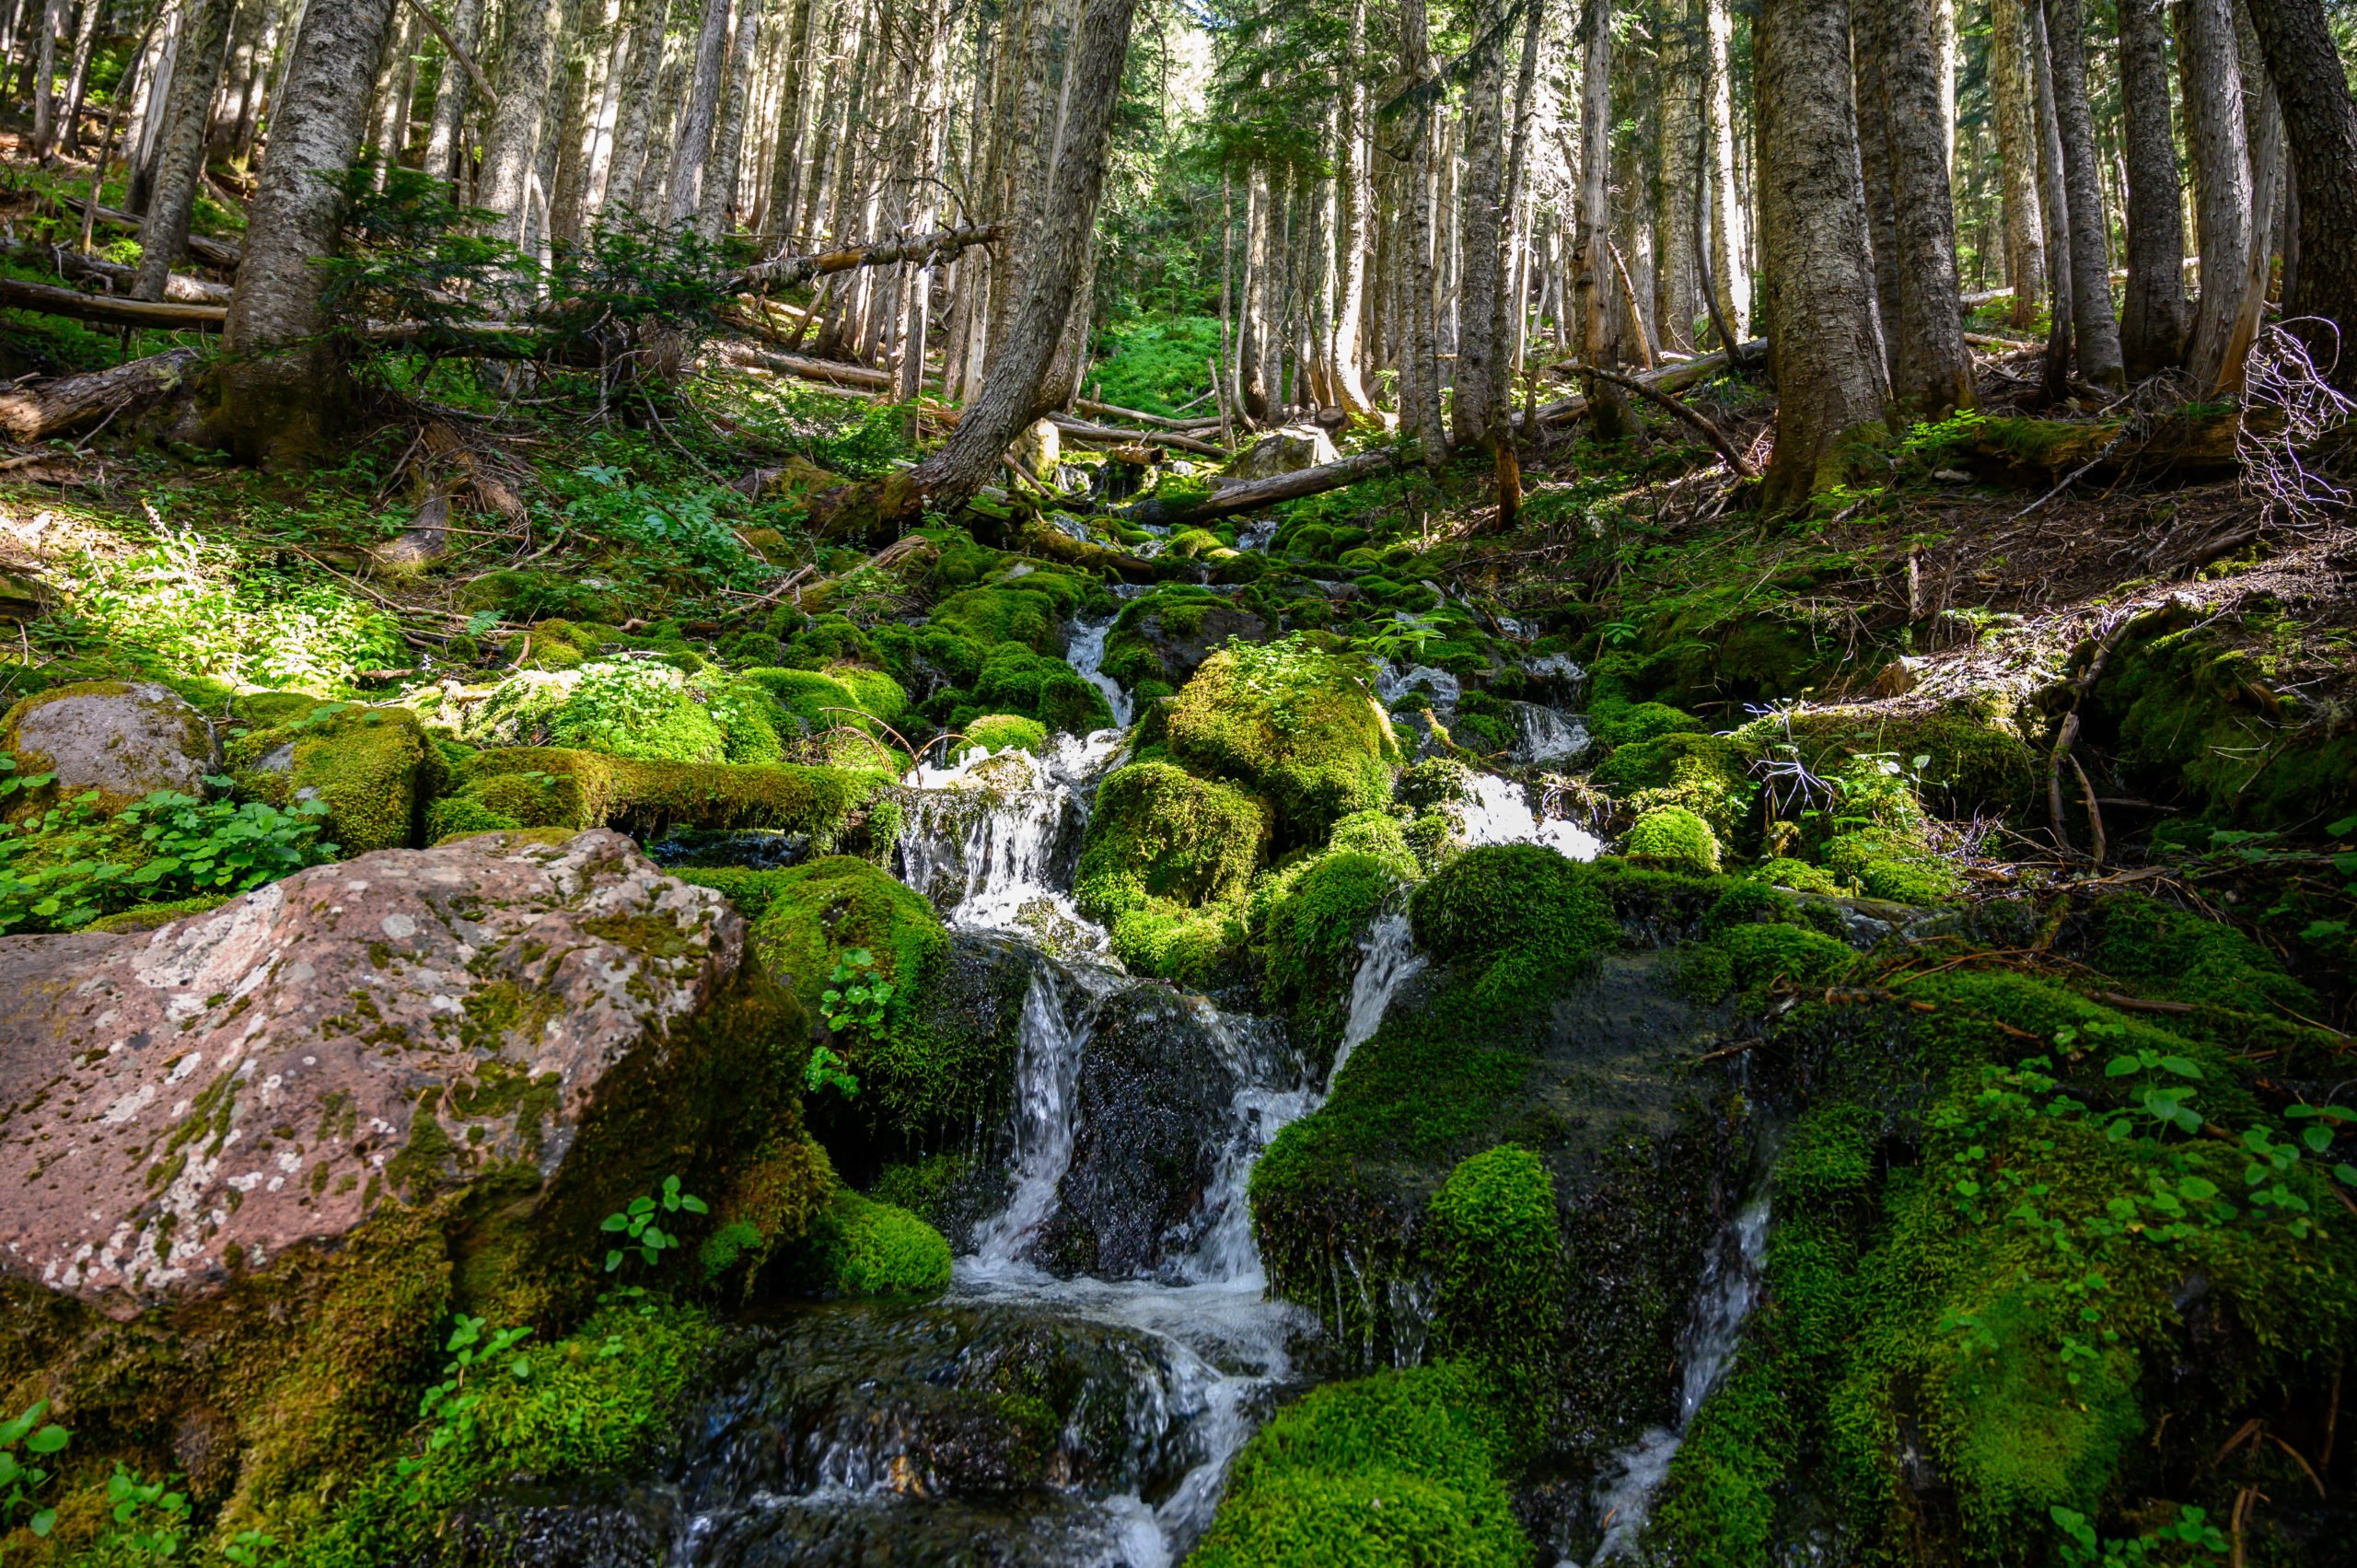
(284, 391)
(2320, 125)
(2152, 327)
(2096, 326)
(163, 232)
(451, 92)
(1828, 359)
(2012, 82)
(2218, 137)
(1010, 396)
(1932, 371)
(1477, 288)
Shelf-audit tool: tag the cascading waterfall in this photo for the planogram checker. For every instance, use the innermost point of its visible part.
(1498, 813)
(1730, 1289)
(1086, 655)
(1387, 960)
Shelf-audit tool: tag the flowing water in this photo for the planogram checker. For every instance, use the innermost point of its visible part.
(1499, 812)
(1088, 655)
(1730, 1288)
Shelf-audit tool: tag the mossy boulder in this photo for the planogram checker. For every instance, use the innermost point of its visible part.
(1967, 755)
(375, 767)
(1165, 636)
(860, 1247)
(1674, 837)
(1299, 727)
(1002, 732)
(1159, 832)
(121, 740)
(1709, 775)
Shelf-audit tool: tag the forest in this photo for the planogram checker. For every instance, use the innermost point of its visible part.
(955, 783)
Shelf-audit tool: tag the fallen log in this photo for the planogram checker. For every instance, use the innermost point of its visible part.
(203, 246)
(1229, 500)
(178, 288)
(1717, 438)
(1081, 429)
(163, 315)
(786, 272)
(52, 407)
(1669, 378)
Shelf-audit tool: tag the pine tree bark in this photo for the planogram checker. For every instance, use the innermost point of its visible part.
(1420, 367)
(2320, 129)
(1930, 370)
(1478, 282)
(2016, 103)
(1828, 359)
(1868, 59)
(692, 151)
(451, 93)
(716, 206)
(1730, 233)
(2218, 138)
(785, 170)
(511, 146)
(1599, 336)
(642, 86)
(163, 231)
(52, 21)
(86, 38)
(2055, 198)
(282, 391)
(1350, 197)
(1675, 302)
(2094, 327)
(2152, 327)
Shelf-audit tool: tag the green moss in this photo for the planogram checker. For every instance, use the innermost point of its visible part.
(1615, 721)
(549, 786)
(373, 767)
(1497, 1268)
(1797, 875)
(1674, 838)
(1968, 754)
(1307, 920)
(860, 1247)
(1014, 680)
(147, 917)
(1028, 609)
(1002, 732)
(1400, 1467)
(1709, 775)
(1166, 864)
(1296, 726)
(1889, 863)
(2176, 953)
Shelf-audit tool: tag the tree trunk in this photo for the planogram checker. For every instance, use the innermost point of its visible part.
(52, 18)
(716, 206)
(2216, 133)
(1869, 60)
(2016, 103)
(785, 170)
(1420, 364)
(1010, 396)
(1600, 341)
(1478, 286)
(1255, 380)
(450, 94)
(2095, 326)
(1828, 363)
(2055, 198)
(692, 149)
(641, 76)
(1350, 197)
(1676, 303)
(2320, 128)
(511, 146)
(1730, 236)
(86, 37)
(1932, 371)
(2268, 179)
(2152, 327)
(163, 231)
(1505, 321)
(284, 391)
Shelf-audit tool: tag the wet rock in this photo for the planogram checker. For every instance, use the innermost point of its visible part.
(124, 740)
(1179, 642)
(189, 1104)
(1288, 449)
(1157, 1084)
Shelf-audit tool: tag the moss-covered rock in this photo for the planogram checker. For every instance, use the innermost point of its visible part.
(860, 1247)
(1496, 1254)
(1164, 635)
(1400, 1467)
(1709, 775)
(375, 767)
(119, 740)
(1674, 837)
(550, 786)
(1165, 865)
(1968, 755)
(1298, 726)
(1002, 732)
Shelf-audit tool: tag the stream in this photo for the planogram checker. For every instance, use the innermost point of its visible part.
(1117, 1287)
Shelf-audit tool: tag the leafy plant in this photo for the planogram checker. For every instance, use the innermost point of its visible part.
(2189, 1539)
(72, 864)
(636, 1224)
(450, 1404)
(150, 1515)
(249, 1548)
(856, 994)
(828, 1071)
(23, 1438)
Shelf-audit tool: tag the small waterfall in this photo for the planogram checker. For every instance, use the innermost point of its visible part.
(1549, 735)
(987, 840)
(1046, 1066)
(1392, 683)
(1086, 655)
(1498, 813)
(1387, 960)
(1258, 534)
(1730, 1289)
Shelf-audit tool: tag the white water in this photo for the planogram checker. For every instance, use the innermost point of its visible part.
(1257, 535)
(1391, 683)
(1498, 813)
(1047, 1069)
(1549, 735)
(1624, 1495)
(1387, 960)
(984, 838)
(1086, 655)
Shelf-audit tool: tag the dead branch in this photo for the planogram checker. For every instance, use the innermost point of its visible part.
(1718, 438)
(162, 314)
(786, 272)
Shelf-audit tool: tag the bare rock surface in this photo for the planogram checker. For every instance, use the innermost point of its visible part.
(1287, 449)
(125, 740)
(179, 1105)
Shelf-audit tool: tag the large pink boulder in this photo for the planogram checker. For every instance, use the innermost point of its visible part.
(178, 1106)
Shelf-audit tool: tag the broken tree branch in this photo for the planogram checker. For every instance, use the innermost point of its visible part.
(1718, 438)
(786, 272)
(474, 72)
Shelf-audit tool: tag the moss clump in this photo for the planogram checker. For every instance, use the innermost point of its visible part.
(1511, 912)
(1496, 1260)
(1305, 921)
(1028, 609)
(1298, 726)
(1709, 775)
(1751, 957)
(860, 1247)
(375, 767)
(1400, 1467)
(2178, 954)
(147, 917)
(552, 787)
(1968, 754)
(1799, 875)
(1885, 863)
(1165, 865)
(1004, 732)
(1674, 837)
